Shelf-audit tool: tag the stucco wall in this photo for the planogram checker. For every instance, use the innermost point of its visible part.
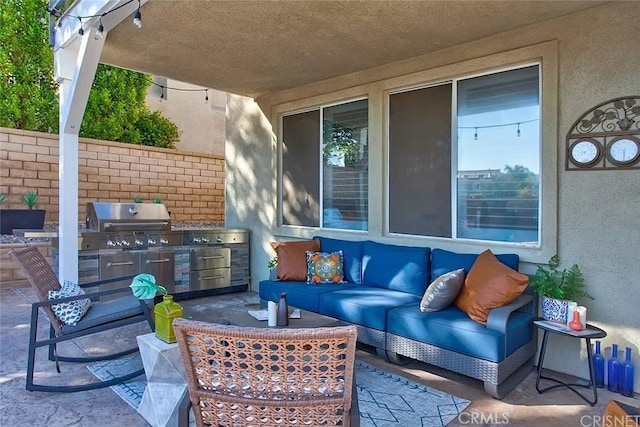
(201, 123)
(597, 219)
(191, 185)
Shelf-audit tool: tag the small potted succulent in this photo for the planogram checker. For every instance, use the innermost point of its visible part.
(272, 265)
(557, 288)
(144, 287)
(30, 218)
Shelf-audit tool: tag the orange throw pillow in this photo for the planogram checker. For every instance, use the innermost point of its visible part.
(489, 284)
(292, 258)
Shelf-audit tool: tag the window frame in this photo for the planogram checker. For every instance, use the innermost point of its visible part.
(280, 211)
(453, 81)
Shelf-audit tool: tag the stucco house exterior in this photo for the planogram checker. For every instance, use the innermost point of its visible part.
(291, 66)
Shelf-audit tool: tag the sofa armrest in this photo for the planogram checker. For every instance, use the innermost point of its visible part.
(498, 317)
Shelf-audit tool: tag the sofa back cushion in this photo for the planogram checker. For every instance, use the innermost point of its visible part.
(445, 261)
(400, 268)
(352, 256)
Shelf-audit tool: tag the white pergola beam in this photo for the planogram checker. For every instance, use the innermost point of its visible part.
(75, 62)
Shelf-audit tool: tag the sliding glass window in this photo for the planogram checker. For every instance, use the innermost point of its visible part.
(464, 158)
(325, 167)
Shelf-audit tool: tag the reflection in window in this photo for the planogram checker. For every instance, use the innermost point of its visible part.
(326, 169)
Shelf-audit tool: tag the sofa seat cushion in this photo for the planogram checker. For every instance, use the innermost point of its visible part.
(452, 329)
(363, 305)
(445, 261)
(399, 268)
(351, 254)
(299, 294)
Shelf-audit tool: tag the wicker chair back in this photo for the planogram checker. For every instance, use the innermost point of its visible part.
(269, 377)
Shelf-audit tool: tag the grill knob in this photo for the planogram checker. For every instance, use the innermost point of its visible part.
(126, 243)
(205, 240)
(139, 242)
(197, 240)
(164, 241)
(151, 242)
(111, 243)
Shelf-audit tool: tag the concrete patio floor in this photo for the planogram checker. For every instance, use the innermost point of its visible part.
(522, 407)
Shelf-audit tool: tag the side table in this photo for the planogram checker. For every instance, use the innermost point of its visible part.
(587, 334)
(166, 382)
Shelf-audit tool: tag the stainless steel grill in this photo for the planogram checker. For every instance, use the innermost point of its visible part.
(132, 238)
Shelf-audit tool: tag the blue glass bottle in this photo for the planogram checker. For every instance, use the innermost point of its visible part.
(626, 375)
(613, 370)
(598, 366)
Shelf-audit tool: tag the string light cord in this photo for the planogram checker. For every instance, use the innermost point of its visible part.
(137, 17)
(475, 134)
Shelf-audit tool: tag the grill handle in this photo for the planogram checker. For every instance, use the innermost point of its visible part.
(116, 264)
(157, 261)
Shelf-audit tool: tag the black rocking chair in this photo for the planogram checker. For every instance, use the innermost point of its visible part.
(102, 316)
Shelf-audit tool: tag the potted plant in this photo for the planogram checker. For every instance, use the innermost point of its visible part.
(144, 287)
(557, 288)
(272, 266)
(30, 218)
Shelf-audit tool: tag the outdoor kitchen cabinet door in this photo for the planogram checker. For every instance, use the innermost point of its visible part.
(117, 265)
(162, 266)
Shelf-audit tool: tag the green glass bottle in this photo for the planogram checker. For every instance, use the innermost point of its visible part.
(165, 312)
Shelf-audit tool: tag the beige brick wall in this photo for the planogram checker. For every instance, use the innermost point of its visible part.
(190, 184)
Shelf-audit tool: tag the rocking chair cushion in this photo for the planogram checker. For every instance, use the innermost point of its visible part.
(69, 312)
(107, 311)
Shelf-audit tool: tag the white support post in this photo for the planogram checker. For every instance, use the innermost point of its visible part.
(75, 71)
(75, 62)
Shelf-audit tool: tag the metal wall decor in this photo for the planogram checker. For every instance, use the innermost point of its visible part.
(606, 137)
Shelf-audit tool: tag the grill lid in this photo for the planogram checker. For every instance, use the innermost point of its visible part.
(108, 216)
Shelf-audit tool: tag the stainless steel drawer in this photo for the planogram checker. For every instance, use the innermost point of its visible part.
(210, 279)
(207, 258)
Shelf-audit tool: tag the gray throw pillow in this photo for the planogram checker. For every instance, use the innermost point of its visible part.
(442, 291)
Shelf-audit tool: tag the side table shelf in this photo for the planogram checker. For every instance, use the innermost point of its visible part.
(587, 334)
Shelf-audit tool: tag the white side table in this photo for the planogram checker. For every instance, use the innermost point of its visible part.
(166, 381)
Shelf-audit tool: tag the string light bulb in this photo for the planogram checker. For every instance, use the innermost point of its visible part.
(81, 30)
(206, 96)
(475, 135)
(518, 133)
(137, 17)
(100, 31)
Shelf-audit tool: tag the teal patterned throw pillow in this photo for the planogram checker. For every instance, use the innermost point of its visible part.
(323, 267)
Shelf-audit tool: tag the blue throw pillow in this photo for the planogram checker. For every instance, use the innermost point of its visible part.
(352, 254)
(400, 268)
(445, 261)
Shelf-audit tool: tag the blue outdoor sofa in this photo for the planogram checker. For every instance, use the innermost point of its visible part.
(381, 296)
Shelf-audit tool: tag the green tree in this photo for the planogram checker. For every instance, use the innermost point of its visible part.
(116, 109)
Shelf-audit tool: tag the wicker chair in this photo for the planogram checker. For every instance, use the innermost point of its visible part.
(101, 316)
(268, 377)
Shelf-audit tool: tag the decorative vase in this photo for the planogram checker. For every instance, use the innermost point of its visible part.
(165, 312)
(575, 323)
(598, 366)
(613, 370)
(626, 375)
(283, 310)
(554, 310)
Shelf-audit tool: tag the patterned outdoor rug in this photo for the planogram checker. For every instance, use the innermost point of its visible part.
(385, 399)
